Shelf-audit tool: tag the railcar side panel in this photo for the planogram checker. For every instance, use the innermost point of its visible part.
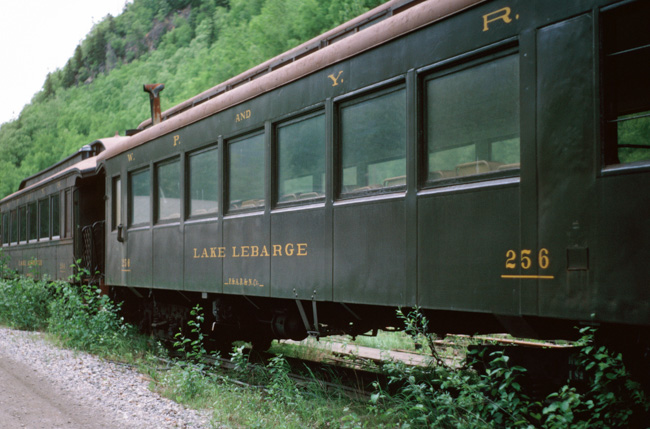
(370, 252)
(243, 273)
(139, 265)
(621, 248)
(464, 238)
(566, 164)
(305, 267)
(168, 249)
(64, 260)
(203, 256)
(45, 259)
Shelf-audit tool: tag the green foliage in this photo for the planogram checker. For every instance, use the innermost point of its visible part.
(611, 398)
(190, 377)
(23, 303)
(85, 319)
(80, 316)
(5, 271)
(444, 397)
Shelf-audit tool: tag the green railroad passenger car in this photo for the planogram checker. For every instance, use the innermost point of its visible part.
(483, 160)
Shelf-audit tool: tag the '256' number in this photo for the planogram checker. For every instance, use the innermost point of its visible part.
(525, 260)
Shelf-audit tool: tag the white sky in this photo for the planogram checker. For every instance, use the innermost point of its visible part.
(38, 37)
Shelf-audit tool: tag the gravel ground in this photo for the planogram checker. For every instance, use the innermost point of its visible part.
(118, 396)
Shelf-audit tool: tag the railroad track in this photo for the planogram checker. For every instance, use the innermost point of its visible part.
(351, 369)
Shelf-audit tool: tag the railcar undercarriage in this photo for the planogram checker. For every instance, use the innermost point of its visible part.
(257, 320)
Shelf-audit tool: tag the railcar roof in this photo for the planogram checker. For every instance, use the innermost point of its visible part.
(411, 19)
(86, 166)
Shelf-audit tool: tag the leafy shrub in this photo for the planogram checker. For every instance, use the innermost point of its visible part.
(439, 396)
(611, 398)
(5, 271)
(24, 303)
(85, 319)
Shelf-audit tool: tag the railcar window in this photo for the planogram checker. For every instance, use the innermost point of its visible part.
(139, 197)
(246, 173)
(33, 221)
(373, 142)
(472, 120)
(626, 87)
(301, 159)
(14, 227)
(5, 228)
(68, 214)
(203, 182)
(117, 203)
(56, 217)
(22, 222)
(168, 176)
(44, 218)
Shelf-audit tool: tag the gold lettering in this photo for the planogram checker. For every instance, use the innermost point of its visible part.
(302, 249)
(246, 114)
(501, 14)
(177, 140)
(247, 251)
(335, 79)
(288, 249)
(130, 157)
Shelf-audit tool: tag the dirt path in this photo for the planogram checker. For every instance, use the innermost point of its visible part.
(29, 401)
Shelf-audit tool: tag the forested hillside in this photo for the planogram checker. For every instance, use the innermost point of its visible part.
(190, 45)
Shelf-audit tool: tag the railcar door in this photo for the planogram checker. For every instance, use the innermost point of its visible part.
(89, 225)
(117, 264)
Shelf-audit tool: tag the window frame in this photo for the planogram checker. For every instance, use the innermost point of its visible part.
(610, 117)
(116, 202)
(447, 67)
(13, 227)
(32, 205)
(40, 220)
(188, 183)
(130, 197)
(67, 226)
(227, 197)
(362, 95)
(289, 120)
(23, 233)
(6, 227)
(176, 159)
(55, 197)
